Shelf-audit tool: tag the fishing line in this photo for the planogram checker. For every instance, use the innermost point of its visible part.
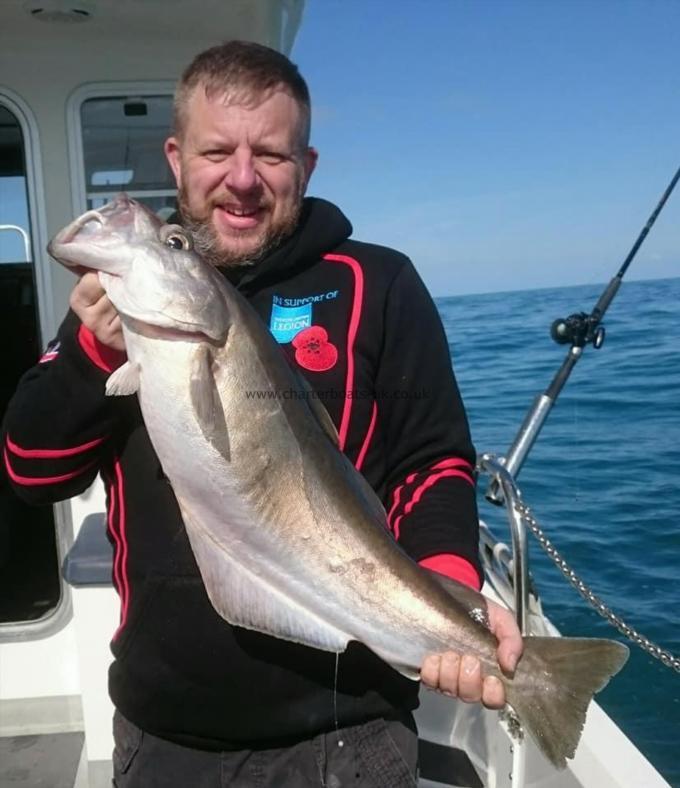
(341, 743)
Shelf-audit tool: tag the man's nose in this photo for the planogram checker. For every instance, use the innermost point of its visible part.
(241, 175)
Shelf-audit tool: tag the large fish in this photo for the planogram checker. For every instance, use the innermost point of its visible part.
(289, 538)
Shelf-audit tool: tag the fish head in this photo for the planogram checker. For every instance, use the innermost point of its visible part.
(147, 268)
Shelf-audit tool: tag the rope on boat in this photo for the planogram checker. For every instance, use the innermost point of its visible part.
(665, 657)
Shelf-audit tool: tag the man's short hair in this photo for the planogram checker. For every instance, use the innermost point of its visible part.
(242, 71)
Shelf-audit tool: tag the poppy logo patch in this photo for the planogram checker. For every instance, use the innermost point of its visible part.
(313, 351)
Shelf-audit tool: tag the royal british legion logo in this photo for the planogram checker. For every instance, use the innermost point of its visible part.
(287, 321)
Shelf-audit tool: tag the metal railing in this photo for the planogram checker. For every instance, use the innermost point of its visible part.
(24, 235)
(520, 550)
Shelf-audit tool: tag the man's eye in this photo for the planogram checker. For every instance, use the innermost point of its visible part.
(215, 155)
(271, 157)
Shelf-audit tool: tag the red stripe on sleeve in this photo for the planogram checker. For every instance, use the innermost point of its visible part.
(45, 454)
(431, 480)
(35, 481)
(454, 462)
(465, 471)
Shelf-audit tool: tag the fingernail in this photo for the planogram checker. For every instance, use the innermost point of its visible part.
(512, 662)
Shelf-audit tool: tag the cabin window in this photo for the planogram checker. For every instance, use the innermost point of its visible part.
(123, 150)
(29, 566)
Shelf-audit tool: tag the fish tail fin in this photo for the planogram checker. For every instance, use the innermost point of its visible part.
(554, 682)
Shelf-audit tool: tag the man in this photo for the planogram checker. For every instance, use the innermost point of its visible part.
(199, 702)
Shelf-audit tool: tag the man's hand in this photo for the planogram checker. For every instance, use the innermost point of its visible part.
(460, 676)
(89, 301)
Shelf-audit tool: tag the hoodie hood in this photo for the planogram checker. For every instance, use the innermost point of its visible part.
(322, 227)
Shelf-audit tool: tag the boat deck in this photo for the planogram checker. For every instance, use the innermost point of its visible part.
(44, 761)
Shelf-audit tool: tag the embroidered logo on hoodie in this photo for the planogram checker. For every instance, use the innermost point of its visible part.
(313, 351)
(292, 315)
(287, 321)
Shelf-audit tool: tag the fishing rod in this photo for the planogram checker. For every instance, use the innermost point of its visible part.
(578, 330)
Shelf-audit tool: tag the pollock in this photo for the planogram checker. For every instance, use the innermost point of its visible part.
(289, 538)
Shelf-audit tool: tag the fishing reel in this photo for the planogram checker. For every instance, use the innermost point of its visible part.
(579, 330)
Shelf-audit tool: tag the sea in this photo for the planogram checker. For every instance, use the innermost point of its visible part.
(603, 478)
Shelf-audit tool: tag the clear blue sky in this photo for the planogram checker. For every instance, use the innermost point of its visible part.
(502, 145)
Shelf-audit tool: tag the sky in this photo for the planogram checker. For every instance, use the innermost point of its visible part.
(501, 144)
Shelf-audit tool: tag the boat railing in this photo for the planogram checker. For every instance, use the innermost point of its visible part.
(517, 559)
(14, 228)
(521, 518)
(510, 571)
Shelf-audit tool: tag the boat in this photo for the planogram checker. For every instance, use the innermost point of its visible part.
(85, 102)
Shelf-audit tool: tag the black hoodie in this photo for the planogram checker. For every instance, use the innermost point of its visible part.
(357, 322)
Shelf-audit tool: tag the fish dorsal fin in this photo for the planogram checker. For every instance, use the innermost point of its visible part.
(246, 598)
(317, 408)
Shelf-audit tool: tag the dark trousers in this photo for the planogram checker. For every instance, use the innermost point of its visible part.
(378, 754)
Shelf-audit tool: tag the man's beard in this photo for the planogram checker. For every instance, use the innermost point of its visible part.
(207, 242)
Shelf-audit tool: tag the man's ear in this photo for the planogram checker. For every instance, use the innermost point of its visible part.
(311, 158)
(173, 155)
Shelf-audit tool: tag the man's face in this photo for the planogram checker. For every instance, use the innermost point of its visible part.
(241, 171)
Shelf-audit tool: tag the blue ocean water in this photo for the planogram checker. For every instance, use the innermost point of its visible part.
(604, 476)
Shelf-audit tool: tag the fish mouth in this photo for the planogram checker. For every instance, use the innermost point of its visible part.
(116, 214)
(91, 229)
(80, 227)
(85, 226)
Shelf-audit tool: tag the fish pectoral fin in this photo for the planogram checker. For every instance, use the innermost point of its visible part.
(206, 402)
(247, 599)
(317, 408)
(125, 380)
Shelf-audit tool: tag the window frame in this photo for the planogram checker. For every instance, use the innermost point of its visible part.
(59, 616)
(37, 216)
(132, 90)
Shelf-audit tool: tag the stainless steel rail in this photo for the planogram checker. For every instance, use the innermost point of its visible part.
(520, 552)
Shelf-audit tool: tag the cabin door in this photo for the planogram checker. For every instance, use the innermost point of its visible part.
(29, 569)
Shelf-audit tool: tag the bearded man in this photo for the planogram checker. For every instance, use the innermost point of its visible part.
(198, 702)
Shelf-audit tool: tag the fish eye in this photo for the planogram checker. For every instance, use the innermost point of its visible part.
(175, 237)
(177, 241)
